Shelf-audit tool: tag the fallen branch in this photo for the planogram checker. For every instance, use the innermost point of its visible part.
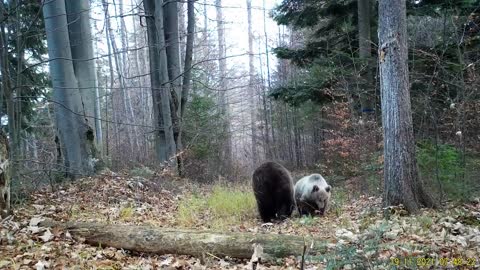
(189, 242)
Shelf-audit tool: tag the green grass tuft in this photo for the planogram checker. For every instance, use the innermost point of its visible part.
(223, 207)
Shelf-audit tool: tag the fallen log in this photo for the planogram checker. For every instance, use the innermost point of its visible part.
(148, 239)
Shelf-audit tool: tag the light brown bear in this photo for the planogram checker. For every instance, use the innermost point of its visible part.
(312, 195)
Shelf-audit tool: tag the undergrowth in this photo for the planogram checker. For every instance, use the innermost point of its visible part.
(445, 167)
(222, 207)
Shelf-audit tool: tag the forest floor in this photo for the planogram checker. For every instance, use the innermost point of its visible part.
(358, 235)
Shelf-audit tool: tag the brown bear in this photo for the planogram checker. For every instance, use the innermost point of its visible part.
(273, 189)
(312, 195)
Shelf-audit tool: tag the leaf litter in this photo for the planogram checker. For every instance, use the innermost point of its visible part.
(358, 236)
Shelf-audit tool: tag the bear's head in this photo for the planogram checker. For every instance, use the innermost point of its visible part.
(321, 197)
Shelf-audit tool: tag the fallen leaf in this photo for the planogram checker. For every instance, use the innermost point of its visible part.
(4, 263)
(36, 220)
(41, 265)
(47, 236)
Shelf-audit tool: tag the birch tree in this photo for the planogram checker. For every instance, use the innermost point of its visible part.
(401, 181)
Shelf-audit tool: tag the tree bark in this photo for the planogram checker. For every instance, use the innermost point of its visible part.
(222, 87)
(74, 132)
(401, 181)
(154, 55)
(364, 42)
(187, 77)
(80, 36)
(160, 83)
(251, 85)
(4, 176)
(190, 242)
(118, 64)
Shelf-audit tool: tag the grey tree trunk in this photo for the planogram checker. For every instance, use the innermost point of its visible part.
(121, 78)
(80, 35)
(222, 66)
(165, 85)
(74, 133)
(161, 87)
(187, 77)
(251, 84)
(5, 181)
(125, 71)
(5, 94)
(401, 181)
(268, 74)
(364, 41)
(172, 41)
(154, 53)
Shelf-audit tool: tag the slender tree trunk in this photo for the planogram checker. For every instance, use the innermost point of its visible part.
(222, 66)
(187, 77)
(268, 124)
(5, 180)
(172, 41)
(161, 87)
(401, 182)
(364, 41)
(125, 70)
(251, 85)
(155, 84)
(7, 93)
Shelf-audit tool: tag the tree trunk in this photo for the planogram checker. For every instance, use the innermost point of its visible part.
(222, 87)
(7, 93)
(364, 41)
(4, 177)
(172, 42)
(251, 85)
(161, 87)
(190, 242)
(125, 71)
(401, 182)
(154, 55)
(187, 77)
(121, 79)
(75, 134)
(80, 35)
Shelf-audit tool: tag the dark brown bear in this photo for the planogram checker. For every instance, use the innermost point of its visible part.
(273, 189)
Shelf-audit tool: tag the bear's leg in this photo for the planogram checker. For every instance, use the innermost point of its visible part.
(267, 211)
(302, 209)
(285, 211)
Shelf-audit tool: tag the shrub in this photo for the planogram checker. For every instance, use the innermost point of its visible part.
(443, 163)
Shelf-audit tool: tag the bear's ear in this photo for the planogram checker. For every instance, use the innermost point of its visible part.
(315, 188)
(327, 189)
